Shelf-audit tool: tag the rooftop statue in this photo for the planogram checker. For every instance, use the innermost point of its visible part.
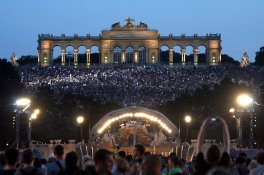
(143, 25)
(129, 25)
(129, 22)
(13, 59)
(244, 60)
(116, 25)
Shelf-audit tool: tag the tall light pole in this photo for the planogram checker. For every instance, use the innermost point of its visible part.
(244, 101)
(188, 120)
(80, 120)
(24, 103)
(32, 117)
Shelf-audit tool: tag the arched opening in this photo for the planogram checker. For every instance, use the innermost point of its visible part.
(129, 54)
(95, 55)
(117, 54)
(208, 131)
(56, 54)
(201, 54)
(177, 54)
(142, 55)
(69, 50)
(82, 54)
(164, 54)
(189, 54)
(129, 126)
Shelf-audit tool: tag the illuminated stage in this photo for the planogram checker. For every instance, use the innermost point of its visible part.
(122, 129)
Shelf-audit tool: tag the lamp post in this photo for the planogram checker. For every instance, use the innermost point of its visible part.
(32, 117)
(244, 101)
(80, 120)
(24, 103)
(188, 120)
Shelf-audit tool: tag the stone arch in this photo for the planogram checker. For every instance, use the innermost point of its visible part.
(201, 135)
(177, 56)
(117, 44)
(95, 55)
(134, 113)
(69, 54)
(129, 51)
(189, 53)
(142, 54)
(164, 53)
(82, 54)
(56, 53)
(117, 54)
(201, 54)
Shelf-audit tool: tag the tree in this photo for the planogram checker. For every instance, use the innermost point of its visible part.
(27, 59)
(259, 59)
(228, 59)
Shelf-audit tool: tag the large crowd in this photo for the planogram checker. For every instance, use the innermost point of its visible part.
(140, 162)
(135, 84)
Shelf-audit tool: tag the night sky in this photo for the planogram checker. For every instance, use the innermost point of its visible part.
(239, 21)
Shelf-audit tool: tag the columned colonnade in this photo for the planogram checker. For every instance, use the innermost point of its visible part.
(129, 44)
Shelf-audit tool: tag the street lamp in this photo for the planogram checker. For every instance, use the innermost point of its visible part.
(24, 103)
(243, 100)
(188, 120)
(80, 120)
(33, 116)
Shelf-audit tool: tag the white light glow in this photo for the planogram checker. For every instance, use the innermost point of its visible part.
(232, 110)
(244, 100)
(23, 102)
(154, 119)
(188, 119)
(80, 119)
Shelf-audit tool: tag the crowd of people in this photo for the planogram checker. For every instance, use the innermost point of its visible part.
(135, 84)
(140, 162)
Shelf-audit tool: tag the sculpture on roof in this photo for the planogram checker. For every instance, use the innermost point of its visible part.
(244, 60)
(129, 22)
(116, 25)
(143, 25)
(129, 25)
(13, 59)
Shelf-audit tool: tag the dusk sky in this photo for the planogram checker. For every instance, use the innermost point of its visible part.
(239, 21)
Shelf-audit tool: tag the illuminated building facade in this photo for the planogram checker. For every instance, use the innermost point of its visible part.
(129, 44)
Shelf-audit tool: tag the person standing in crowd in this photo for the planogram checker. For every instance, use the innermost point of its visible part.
(11, 157)
(27, 165)
(58, 165)
(212, 156)
(71, 160)
(200, 164)
(241, 166)
(260, 169)
(175, 164)
(103, 162)
(138, 153)
(88, 165)
(121, 156)
(151, 165)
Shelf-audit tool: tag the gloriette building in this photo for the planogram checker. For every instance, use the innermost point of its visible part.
(129, 44)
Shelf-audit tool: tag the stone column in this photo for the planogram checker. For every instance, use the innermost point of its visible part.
(220, 56)
(39, 52)
(171, 56)
(63, 56)
(195, 55)
(136, 56)
(88, 56)
(183, 51)
(75, 56)
(123, 59)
